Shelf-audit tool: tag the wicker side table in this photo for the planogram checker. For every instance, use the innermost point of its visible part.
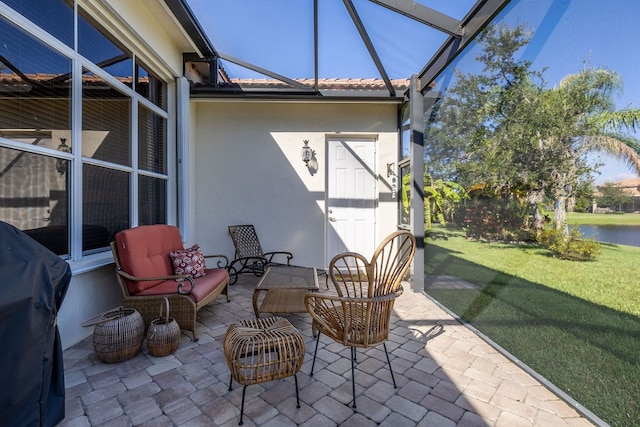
(261, 350)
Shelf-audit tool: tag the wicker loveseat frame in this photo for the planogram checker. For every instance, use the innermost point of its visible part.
(145, 274)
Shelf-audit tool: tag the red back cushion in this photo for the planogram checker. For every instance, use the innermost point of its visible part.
(144, 252)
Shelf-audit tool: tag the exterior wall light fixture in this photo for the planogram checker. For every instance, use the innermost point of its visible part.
(307, 152)
(61, 164)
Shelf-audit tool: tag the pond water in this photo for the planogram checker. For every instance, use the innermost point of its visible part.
(617, 234)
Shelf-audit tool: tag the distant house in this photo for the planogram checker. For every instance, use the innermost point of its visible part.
(631, 187)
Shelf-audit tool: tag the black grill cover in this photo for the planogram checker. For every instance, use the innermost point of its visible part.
(33, 283)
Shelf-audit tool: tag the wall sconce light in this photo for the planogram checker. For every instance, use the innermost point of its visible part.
(61, 164)
(307, 153)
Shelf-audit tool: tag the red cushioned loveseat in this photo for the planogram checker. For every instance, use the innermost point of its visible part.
(146, 275)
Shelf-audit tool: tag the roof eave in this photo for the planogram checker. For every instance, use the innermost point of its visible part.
(283, 95)
(187, 19)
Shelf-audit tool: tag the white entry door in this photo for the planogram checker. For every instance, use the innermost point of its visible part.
(351, 197)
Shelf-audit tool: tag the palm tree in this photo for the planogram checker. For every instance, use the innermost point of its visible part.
(589, 123)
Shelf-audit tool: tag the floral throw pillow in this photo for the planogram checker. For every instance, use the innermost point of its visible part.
(188, 261)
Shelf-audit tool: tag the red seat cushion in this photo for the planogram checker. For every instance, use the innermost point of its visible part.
(144, 252)
(204, 285)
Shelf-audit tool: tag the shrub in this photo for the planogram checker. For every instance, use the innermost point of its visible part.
(572, 246)
(491, 219)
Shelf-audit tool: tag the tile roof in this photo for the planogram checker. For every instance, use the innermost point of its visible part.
(332, 84)
(325, 84)
(362, 85)
(631, 186)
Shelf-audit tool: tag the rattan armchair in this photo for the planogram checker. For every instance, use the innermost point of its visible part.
(249, 256)
(359, 314)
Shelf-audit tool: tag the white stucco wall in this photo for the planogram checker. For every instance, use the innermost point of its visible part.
(245, 167)
(88, 294)
(248, 168)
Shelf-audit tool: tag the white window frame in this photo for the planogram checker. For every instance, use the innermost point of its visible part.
(81, 263)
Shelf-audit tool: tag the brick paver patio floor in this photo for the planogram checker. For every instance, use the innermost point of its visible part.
(446, 375)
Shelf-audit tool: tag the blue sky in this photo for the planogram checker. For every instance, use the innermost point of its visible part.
(249, 30)
(572, 33)
(575, 33)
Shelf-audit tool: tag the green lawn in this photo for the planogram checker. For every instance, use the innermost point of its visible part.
(579, 218)
(575, 323)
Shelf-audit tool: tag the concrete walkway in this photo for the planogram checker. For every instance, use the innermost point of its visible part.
(446, 375)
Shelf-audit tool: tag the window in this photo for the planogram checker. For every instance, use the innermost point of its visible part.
(152, 159)
(54, 16)
(35, 119)
(106, 121)
(150, 86)
(151, 141)
(105, 205)
(102, 50)
(152, 200)
(115, 158)
(404, 205)
(34, 196)
(404, 199)
(405, 129)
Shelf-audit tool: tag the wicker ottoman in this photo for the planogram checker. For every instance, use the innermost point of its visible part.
(261, 350)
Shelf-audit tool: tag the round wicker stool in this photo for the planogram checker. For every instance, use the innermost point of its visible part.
(261, 350)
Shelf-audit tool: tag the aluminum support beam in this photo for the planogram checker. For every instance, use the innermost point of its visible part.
(264, 71)
(315, 45)
(367, 41)
(416, 155)
(479, 16)
(424, 15)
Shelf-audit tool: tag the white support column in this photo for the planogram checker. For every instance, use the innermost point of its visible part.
(182, 160)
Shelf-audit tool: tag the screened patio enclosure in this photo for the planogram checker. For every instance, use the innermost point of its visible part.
(96, 127)
(115, 114)
(337, 51)
(566, 38)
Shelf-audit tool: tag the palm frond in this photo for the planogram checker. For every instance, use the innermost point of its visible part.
(627, 150)
(628, 119)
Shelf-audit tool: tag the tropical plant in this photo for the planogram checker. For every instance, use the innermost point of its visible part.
(440, 198)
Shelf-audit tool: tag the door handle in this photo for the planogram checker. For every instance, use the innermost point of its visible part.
(332, 219)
